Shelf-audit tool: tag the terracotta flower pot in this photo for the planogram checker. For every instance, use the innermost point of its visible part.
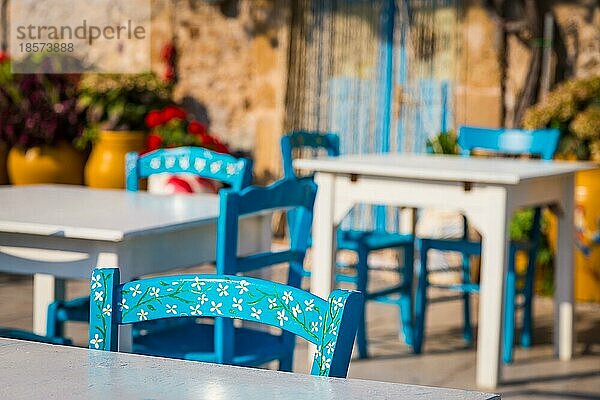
(106, 166)
(60, 163)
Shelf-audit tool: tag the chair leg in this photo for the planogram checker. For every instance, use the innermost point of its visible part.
(362, 275)
(509, 308)
(421, 301)
(527, 329)
(286, 364)
(54, 327)
(466, 276)
(406, 295)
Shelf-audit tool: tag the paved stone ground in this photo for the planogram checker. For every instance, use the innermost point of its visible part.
(446, 361)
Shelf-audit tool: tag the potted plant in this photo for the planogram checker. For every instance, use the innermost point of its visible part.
(40, 120)
(115, 107)
(172, 127)
(574, 108)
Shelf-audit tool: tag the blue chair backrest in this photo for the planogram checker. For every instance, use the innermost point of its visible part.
(296, 197)
(330, 324)
(330, 142)
(199, 161)
(542, 142)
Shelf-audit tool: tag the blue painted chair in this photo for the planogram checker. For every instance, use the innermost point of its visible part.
(236, 172)
(330, 324)
(514, 142)
(11, 333)
(360, 242)
(222, 342)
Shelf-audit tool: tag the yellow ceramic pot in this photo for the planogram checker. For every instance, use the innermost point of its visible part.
(106, 166)
(60, 163)
(587, 214)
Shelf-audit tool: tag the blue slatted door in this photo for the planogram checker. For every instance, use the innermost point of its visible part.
(384, 103)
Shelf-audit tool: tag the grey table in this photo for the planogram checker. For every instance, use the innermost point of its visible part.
(39, 371)
(58, 232)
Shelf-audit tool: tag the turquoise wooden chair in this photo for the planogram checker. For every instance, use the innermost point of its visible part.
(11, 333)
(361, 242)
(330, 324)
(222, 342)
(540, 143)
(236, 172)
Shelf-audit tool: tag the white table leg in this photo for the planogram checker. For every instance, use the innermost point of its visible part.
(563, 276)
(323, 250)
(46, 289)
(493, 268)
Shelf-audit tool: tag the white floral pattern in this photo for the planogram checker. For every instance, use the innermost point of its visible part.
(237, 303)
(172, 309)
(255, 313)
(135, 290)
(287, 297)
(96, 341)
(289, 309)
(222, 290)
(96, 282)
(195, 310)
(310, 305)
(243, 286)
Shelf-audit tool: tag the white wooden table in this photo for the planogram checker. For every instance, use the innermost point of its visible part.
(63, 232)
(38, 371)
(487, 191)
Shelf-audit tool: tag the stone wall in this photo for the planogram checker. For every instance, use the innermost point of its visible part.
(479, 91)
(232, 69)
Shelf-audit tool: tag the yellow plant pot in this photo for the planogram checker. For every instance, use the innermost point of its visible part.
(106, 166)
(60, 163)
(587, 214)
(3, 161)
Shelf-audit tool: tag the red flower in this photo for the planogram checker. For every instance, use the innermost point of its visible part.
(153, 142)
(197, 128)
(154, 119)
(4, 57)
(221, 148)
(172, 112)
(169, 74)
(168, 52)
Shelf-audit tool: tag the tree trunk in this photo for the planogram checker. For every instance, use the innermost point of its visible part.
(530, 90)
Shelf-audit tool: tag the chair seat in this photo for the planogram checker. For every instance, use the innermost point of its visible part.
(373, 240)
(195, 341)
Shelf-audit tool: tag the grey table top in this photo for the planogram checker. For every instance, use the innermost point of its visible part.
(99, 214)
(39, 371)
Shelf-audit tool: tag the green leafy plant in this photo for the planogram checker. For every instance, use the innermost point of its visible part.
(443, 143)
(120, 102)
(574, 108)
